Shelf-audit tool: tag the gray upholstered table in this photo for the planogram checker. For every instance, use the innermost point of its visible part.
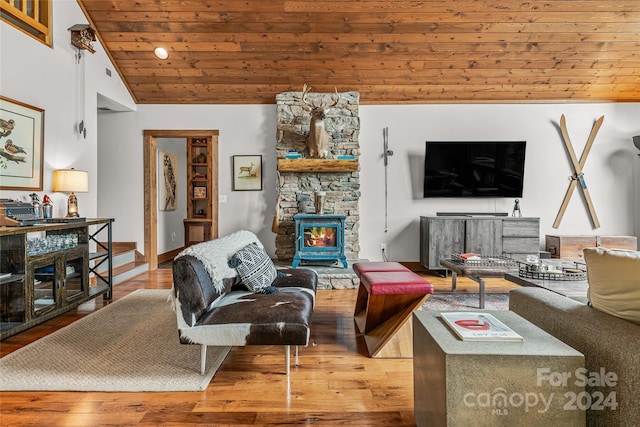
(489, 383)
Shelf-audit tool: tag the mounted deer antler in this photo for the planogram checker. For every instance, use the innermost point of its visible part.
(319, 139)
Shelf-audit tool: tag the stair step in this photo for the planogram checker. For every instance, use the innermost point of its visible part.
(118, 248)
(128, 271)
(119, 260)
(123, 258)
(126, 264)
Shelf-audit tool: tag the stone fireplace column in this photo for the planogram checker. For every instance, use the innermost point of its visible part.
(337, 175)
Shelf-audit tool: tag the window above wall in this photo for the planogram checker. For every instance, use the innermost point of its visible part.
(32, 17)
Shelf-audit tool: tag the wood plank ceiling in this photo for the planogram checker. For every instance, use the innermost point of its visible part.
(392, 52)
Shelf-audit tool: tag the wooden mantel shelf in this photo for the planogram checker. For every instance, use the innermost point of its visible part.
(317, 165)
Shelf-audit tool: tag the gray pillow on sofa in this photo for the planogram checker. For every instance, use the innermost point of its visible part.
(255, 268)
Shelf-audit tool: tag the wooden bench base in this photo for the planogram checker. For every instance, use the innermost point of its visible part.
(393, 335)
(385, 303)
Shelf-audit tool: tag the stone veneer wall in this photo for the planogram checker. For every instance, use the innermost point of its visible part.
(342, 188)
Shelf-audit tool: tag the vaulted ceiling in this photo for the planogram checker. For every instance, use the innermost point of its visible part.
(247, 51)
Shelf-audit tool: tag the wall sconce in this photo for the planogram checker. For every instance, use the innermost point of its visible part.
(71, 180)
(636, 142)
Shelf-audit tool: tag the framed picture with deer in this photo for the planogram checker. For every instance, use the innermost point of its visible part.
(247, 173)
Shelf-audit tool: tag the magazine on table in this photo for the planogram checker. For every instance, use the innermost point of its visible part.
(479, 326)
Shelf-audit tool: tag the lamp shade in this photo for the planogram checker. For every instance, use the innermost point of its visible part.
(70, 180)
(636, 141)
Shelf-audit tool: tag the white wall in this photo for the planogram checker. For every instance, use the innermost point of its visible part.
(170, 222)
(608, 170)
(250, 129)
(636, 194)
(244, 129)
(51, 79)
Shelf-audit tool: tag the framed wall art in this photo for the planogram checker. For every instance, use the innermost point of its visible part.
(247, 173)
(168, 181)
(199, 192)
(21, 145)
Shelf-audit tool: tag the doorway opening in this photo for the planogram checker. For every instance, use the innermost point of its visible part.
(150, 155)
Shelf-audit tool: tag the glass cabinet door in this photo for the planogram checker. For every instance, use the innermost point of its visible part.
(45, 285)
(74, 270)
(12, 301)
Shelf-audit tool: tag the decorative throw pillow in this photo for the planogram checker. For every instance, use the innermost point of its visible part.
(614, 282)
(215, 254)
(255, 268)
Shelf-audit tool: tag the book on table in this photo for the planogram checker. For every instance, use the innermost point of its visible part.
(479, 326)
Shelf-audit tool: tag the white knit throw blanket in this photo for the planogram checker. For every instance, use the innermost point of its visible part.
(215, 254)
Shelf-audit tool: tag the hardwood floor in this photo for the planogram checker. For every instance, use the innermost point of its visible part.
(335, 383)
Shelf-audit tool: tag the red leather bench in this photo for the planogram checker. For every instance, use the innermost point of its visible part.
(387, 296)
(368, 267)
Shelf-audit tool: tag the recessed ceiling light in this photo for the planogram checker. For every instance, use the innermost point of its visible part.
(161, 53)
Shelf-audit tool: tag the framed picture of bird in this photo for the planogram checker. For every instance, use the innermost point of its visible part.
(168, 181)
(21, 145)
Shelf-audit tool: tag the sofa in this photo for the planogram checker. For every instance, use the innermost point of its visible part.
(218, 303)
(609, 342)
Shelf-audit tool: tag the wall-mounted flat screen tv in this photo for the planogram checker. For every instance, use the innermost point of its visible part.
(474, 168)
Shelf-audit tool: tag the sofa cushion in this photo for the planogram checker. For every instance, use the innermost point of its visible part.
(367, 267)
(192, 288)
(255, 268)
(214, 255)
(614, 282)
(395, 283)
(246, 318)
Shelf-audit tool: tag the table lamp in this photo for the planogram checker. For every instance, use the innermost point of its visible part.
(70, 180)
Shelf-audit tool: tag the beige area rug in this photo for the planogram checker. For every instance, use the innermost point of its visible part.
(130, 345)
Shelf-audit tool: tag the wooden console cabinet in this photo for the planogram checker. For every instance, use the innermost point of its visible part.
(572, 246)
(441, 236)
(196, 230)
(45, 270)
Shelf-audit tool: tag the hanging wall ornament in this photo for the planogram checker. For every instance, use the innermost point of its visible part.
(82, 37)
(578, 175)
